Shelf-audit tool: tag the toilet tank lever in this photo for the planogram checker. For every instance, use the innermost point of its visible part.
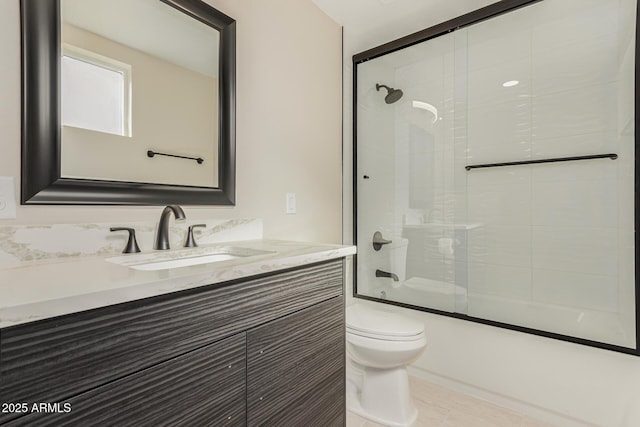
(378, 241)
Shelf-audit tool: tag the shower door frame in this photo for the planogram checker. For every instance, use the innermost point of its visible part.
(479, 15)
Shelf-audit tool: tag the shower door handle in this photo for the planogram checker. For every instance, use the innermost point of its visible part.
(378, 241)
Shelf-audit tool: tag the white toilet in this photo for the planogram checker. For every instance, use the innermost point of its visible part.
(379, 346)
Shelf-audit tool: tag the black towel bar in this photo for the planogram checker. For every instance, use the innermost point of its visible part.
(557, 159)
(154, 153)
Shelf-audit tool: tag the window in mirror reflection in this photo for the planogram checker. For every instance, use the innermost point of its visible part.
(95, 92)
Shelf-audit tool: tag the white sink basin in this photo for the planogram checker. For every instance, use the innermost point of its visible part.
(184, 257)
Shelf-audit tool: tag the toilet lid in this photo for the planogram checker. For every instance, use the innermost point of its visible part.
(365, 320)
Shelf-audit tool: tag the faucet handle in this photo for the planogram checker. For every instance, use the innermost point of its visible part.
(132, 244)
(191, 242)
(378, 241)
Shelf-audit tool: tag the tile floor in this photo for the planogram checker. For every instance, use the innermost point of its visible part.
(441, 407)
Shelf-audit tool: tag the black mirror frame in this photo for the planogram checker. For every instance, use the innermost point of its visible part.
(41, 179)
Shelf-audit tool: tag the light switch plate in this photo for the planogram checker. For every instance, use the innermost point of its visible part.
(291, 203)
(7, 198)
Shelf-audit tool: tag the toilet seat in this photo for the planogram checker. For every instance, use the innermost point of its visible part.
(383, 325)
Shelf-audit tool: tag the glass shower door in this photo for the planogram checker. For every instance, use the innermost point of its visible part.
(504, 174)
(405, 178)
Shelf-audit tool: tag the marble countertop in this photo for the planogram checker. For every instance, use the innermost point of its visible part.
(38, 290)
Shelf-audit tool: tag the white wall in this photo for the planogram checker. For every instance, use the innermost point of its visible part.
(565, 383)
(288, 123)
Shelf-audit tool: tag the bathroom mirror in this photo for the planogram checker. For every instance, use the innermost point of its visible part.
(127, 103)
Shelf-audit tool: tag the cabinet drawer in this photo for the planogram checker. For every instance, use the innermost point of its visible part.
(55, 359)
(201, 388)
(295, 369)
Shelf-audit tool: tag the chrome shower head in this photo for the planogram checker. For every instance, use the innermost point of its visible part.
(393, 95)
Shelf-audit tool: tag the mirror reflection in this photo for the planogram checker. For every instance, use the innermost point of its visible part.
(139, 89)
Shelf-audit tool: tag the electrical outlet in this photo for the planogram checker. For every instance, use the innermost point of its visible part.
(291, 203)
(7, 198)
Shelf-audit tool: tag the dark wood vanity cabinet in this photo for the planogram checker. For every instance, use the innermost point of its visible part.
(295, 369)
(261, 351)
(201, 388)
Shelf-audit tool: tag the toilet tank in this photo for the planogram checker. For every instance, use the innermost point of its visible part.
(397, 251)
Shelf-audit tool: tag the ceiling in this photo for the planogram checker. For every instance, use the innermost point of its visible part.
(151, 27)
(369, 23)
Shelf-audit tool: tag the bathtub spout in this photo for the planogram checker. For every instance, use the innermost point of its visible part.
(380, 273)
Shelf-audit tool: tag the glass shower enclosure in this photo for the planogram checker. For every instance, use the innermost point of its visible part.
(494, 170)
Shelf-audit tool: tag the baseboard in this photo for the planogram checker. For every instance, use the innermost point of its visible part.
(507, 402)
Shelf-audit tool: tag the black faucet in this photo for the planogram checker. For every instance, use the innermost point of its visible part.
(162, 234)
(380, 273)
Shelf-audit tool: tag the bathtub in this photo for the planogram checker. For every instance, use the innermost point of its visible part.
(602, 326)
(429, 293)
